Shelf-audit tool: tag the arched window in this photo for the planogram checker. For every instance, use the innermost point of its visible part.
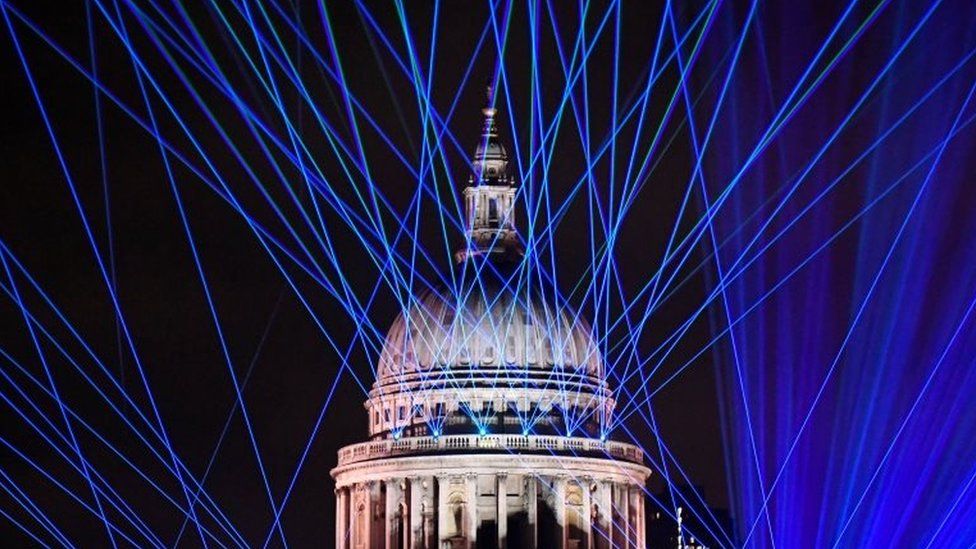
(493, 213)
(455, 506)
(575, 518)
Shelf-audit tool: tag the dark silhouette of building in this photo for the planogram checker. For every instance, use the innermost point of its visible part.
(688, 523)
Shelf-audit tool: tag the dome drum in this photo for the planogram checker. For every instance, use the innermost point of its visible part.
(494, 410)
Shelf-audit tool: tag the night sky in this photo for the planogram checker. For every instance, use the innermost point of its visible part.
(288, 366)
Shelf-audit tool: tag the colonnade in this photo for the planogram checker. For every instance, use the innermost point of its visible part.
(452, 511)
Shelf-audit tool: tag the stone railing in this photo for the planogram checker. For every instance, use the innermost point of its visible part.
(514, 443)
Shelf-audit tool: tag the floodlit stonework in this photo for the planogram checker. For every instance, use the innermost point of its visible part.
(487, 417)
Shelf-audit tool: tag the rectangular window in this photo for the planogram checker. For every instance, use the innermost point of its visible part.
(510, 349)
(386, 415)
(402, 413)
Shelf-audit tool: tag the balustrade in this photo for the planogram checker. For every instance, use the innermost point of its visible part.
(390, 448)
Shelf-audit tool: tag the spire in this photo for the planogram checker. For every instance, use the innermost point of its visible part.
(489, 111)
(490, 196)
(490, 160)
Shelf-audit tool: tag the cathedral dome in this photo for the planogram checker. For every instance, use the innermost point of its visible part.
(500, 330)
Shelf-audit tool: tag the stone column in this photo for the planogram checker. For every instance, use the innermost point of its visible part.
(342, 517)
(604, 528)
(640, 526)
(429, 512)
(532, 510)
(367, 531)
(587, 512)
(471, 499)
(442, 511)
(621, 528)
(391, 505)
(632, 517)
(501, 508)
(559, 494)
(377, 520)
(416, 519)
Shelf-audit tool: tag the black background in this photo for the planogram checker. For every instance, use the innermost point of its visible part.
(294, 366)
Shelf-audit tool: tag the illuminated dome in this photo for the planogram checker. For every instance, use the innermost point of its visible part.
(497, 342)
(489, 333)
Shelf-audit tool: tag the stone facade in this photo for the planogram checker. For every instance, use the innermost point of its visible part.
(455, 501)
